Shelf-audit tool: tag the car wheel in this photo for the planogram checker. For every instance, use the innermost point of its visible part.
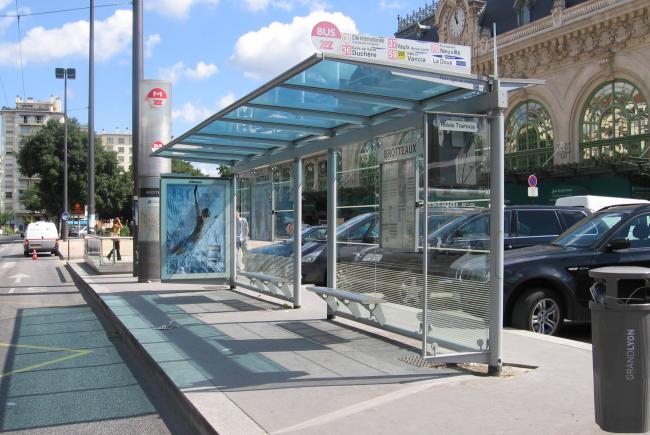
(538, 310)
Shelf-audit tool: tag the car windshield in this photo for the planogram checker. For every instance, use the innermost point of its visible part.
(589, 231)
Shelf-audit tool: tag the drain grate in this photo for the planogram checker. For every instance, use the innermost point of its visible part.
(418, 361)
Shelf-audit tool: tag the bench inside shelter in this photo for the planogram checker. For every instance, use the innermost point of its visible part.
(268, 283)
(352, 301)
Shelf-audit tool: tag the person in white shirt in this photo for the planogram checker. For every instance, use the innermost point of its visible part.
(242, 236)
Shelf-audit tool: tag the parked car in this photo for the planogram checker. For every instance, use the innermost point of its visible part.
(470, 232)
(543, 285)
(42, 237)
(594, 203)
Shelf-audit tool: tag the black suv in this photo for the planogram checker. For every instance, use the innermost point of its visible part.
(543, 285)
(523, 226)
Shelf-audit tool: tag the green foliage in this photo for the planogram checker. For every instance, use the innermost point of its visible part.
(5, 217)
(183, 167)
(32, 199)
(224, 171)
(41, 154)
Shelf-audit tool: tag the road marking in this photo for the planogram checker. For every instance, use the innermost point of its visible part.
(75, 353)
(8, 265)
(12, 289)
(19, 277)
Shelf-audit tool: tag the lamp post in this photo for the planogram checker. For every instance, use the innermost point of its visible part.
(65, 74)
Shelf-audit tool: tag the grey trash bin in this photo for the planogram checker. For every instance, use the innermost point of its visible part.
(621, 360)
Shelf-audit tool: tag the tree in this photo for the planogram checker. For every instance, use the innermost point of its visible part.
(224, 171)
(32, 200)
(5, 217)
(183, 167)
(41, 154)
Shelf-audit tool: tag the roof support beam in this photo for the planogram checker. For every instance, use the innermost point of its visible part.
(250, 141)
(334, 116)
(217, 153)
(218, 148)
(210, 161)
(280, 126)
(203, 155)
(398, 103)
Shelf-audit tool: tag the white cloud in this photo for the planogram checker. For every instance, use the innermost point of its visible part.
(190, 113)
(287, 5)
(175, 8)
(387, 5)
(41, 45)
(226, 100)
(179, 70)
(202, 71)
(150, 44)
(274, 48)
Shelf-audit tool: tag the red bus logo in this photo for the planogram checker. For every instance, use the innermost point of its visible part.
(156, 145)
(157, 97)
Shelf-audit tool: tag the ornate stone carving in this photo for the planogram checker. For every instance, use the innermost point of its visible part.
(574, 47)
(589, 42)
(606, 38)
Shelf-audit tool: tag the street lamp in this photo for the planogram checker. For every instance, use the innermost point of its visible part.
(65, 74)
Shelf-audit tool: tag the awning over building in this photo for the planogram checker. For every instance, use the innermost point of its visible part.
(328, 96)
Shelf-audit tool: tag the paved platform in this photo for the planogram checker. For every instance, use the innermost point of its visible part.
(245, 365)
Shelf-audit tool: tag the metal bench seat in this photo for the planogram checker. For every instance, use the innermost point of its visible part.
(352, 301)
(269, 283)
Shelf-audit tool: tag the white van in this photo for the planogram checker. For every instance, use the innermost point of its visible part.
(42, 237)
(595, 203)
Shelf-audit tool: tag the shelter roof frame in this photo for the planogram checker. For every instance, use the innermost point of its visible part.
(326, 101)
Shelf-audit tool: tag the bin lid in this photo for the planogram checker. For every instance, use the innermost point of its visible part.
(621, 272)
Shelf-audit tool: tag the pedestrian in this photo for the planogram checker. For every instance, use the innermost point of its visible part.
(242, 236)
(115, 233)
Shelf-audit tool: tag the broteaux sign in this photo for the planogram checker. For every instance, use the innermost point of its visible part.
(392, 152)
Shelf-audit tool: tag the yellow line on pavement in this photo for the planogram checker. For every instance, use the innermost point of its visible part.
(76, 353)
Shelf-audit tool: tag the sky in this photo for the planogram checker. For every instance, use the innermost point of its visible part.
(213, 51)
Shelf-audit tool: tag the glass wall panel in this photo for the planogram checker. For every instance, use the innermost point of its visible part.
(458, 248)
(380, 230)
(266, 251)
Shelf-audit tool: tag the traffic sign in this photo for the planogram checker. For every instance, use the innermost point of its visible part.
(65, 215)
(533, 192)
(532, 181)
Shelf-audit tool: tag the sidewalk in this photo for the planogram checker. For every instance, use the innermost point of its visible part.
(247, 366)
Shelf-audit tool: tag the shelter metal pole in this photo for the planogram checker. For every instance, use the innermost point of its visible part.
(297, 233)
(137, 75)
(91, 122)
(425, 238)
(497, 201)
(331, 218)
(64, 226)
(233, 232)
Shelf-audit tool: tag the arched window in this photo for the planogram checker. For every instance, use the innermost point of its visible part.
(367, 161)
(322, 175)
(615, 122)
(528, 136)
(309, 177)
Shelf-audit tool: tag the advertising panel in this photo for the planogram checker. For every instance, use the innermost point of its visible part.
(327, 38)
(194, 228)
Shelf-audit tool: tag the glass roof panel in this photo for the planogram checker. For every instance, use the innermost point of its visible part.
(251, 130)
(276, 115)
(235, 142)
(330, 74)
(317, 101)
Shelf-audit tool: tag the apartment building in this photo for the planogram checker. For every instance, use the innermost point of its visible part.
(28, 116)
(121, 144)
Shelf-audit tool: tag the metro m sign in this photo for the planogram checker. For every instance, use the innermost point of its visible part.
(157, 97)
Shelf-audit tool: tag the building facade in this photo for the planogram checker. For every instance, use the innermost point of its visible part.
(586, 130)
(28, 116)
(121, 144)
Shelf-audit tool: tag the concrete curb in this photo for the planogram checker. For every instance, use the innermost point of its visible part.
(195, 419)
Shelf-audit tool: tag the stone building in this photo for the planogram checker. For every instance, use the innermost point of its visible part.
(121, 144)
(28, 116)
(586, 130)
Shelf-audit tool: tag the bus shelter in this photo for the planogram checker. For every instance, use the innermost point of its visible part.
(412, 235)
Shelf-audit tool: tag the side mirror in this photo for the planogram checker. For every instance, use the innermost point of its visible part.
(618, 244)
(370, 238)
